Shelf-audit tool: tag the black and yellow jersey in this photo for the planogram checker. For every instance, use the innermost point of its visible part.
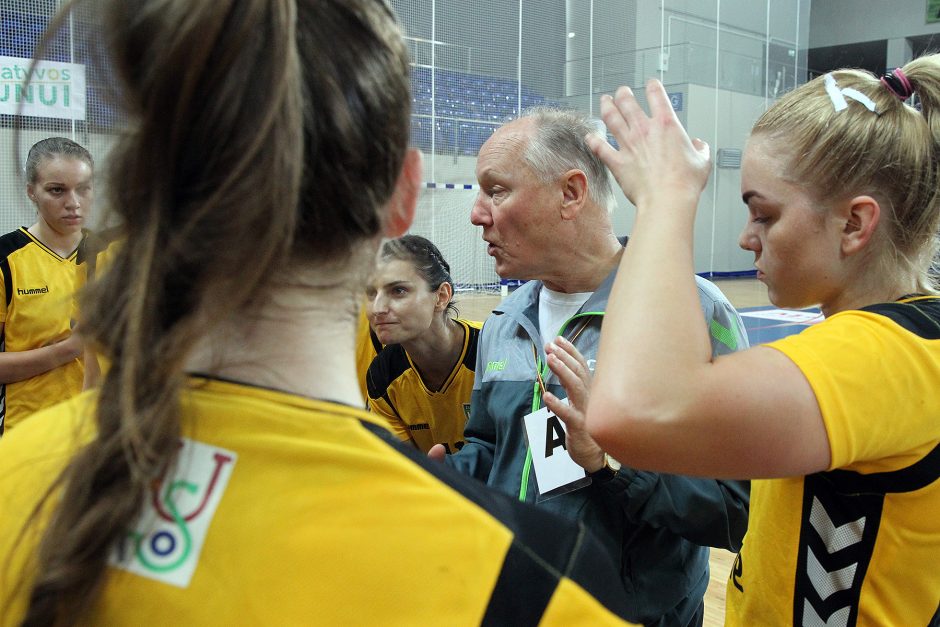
(37, 307)
(284, 510)
(857, 544)
(428, 417)
(367, 347)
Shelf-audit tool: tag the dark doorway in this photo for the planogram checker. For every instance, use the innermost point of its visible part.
(869, 55)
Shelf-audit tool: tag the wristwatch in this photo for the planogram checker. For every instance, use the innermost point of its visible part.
(606, 472)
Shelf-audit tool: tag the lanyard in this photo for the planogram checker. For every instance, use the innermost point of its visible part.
(538, 390)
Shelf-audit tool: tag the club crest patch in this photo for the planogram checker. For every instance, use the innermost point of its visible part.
(167, 539)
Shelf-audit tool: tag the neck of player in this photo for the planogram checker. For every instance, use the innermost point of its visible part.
(302, 342)
(435, 352)
(64, 244)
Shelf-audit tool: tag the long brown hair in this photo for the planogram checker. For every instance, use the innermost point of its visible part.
(257, 141)
(892, 154)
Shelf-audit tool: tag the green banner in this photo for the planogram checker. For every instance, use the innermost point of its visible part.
(933, 11)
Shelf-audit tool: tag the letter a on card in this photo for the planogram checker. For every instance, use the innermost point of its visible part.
(555, 472)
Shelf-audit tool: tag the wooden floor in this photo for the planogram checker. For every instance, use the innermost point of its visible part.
(742, 293)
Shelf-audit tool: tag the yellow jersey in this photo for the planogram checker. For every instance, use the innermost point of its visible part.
(415, 412)
(283, 510)
(857, 544)
(37, 307)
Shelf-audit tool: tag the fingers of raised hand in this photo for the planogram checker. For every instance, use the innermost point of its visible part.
(604, 151)
(572, 357)
(569, 380)
(658, 99)
(623, 116)
(572, 374)
(614, 118)
(569, 413)
(630, 110)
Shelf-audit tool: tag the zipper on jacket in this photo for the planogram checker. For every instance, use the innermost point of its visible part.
(542, 372)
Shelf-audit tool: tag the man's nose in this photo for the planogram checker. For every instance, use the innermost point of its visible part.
(480, 213)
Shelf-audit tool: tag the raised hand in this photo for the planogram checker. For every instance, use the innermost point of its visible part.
(572, 371)
(656, 158)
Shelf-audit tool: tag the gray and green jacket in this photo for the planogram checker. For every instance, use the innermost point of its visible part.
(660, 525)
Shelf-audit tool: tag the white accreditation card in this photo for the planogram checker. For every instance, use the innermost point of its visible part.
(555, 472)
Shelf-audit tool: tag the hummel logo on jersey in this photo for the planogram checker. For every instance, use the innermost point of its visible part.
(32, 290)
(494, 366)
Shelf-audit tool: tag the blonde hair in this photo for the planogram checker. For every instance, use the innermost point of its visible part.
(890, 154)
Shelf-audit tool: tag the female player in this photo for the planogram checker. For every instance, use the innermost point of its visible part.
(421, 381)
(40, 363)
(841, 182)
(367, 347)
(222, 472)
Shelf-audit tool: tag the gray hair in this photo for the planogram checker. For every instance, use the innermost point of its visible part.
(558, 146)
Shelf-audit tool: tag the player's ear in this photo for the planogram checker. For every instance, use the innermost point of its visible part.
(445, 293)
(400, 211)
(861, 215)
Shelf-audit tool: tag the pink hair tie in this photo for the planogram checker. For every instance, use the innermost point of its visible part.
(898, 84)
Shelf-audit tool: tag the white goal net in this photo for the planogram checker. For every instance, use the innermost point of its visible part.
(443, 216)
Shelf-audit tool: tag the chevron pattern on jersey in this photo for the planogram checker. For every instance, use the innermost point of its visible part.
(836, 544)
(812, 619)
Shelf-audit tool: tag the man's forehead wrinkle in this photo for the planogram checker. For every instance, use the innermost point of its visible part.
(509, 150)
(517, 140)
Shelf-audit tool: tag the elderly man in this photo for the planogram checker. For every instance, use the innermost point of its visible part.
(543, 206)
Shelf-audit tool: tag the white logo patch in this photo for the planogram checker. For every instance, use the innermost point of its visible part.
(167, 540)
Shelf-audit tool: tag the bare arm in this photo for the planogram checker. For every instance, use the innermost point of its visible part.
(92, 369)
(20, 365)
(659, 400)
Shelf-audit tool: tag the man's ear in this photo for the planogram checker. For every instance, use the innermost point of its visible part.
(574, 193)
(862, 215)
(400, 211)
